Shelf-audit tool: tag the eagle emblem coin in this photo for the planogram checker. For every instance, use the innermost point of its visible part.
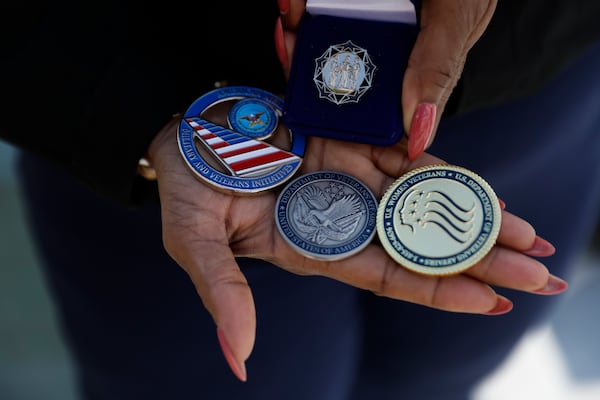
(326, 215)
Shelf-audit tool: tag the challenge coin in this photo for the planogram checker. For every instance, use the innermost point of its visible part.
(232, 139)
(326, 215)
(438, 220)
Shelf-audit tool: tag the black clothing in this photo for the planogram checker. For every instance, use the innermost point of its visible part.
(105, 78)
(137, 328)
(88, 85)
(527, 43)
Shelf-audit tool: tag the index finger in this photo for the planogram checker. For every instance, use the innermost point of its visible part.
(291, 12)
(448, 31)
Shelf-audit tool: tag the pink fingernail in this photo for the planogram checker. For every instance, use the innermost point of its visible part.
(280, 46)
(540, 248)
(284, 6)
(503, 305)
(554, 285)
(502, 204)
(421, 129)
(239, 369)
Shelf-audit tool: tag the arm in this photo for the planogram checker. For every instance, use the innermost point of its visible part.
(452, 70)
(245, 227)
(99, 85)
(89, 86)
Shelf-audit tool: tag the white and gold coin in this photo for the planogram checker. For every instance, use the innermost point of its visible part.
(438, 220)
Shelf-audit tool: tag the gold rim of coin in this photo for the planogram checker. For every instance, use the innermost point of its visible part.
(439, 220)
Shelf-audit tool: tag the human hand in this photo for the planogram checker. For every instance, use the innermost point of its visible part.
(204, 230)
(448, 31)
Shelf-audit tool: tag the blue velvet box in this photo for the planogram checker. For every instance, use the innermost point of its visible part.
(346, 79)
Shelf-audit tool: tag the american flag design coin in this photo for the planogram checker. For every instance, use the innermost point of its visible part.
(438, 220)
(326, 215)
(232, 139)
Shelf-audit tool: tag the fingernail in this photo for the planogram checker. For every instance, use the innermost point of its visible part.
(503, 305)
(540, 248)
(421, 129)
(284, 6)
(280, 47)
(502, 204)
(239, 369)
(554, 285)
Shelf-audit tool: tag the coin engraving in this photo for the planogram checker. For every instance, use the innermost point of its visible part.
(439, 219)
(231, 138)
(327, 215)
(344, 73)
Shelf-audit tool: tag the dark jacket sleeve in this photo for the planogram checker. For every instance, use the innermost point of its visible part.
(89, 84)
(527, 43)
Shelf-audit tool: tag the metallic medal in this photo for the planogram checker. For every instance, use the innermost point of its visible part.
(326, 215)
(344, 73)
(253, 118)
(231, 138)
(438, 220)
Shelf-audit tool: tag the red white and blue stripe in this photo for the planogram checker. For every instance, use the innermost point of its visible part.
(241, 155)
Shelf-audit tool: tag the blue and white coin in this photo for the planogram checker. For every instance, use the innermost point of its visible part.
(231, 138)
(439, 220)
(253, 118)
(326, 215)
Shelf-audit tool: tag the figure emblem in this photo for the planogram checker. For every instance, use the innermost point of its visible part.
(344, 73)
(421, 209)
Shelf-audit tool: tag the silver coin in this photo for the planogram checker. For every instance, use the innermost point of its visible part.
(326, 215)
(344, 73)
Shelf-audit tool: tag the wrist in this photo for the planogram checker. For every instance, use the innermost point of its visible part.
(148, 164)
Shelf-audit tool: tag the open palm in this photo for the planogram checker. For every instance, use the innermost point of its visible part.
(205, 229)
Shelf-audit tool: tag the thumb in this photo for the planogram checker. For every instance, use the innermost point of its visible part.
(448, 31)
(226, 295)
(195, 236)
